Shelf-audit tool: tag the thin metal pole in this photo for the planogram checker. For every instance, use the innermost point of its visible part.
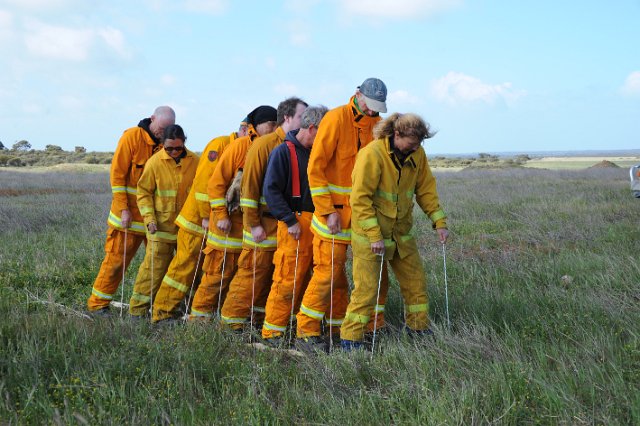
(446, 287)
(124, 269)
(253, 289)
(293, 295)
(224, 262)
(195, 275)
(333, 244)
(375, 313)
(151, 283)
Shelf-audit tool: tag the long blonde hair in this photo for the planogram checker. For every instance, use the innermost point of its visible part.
(406, 124)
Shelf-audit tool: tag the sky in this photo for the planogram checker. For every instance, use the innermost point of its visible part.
(489, 76)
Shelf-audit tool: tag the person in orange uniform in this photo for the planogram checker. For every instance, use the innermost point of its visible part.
(388, 174)
(162, 191)
(342, 132)
(126, 231)
(291, 204)
(224, 238)
(250, 286)
(193, 223)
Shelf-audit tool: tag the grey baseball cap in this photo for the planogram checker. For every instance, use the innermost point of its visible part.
(375, 94)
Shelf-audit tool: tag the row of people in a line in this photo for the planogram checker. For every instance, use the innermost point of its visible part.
(287, 191)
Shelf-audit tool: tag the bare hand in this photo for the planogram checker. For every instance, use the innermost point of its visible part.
(333, 223)
(224, 225)
(205, 223)
(295, 231)
(258, 234)
(378, 248)
(125, 216)
(443, 234)
(152, 227)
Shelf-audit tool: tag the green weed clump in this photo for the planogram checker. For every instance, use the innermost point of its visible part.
(544, 302)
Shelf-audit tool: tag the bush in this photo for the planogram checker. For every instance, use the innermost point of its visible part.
(80, 149)
(15, 162)
(54, 148)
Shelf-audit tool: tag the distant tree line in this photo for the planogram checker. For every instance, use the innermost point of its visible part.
(21, 154)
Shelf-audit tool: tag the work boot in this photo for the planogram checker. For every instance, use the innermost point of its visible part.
(138, 319)
(351, 345)
(168, 322)
(277, 342)
(311, 344)
(100, 313)
(382, 331)
(425, 336)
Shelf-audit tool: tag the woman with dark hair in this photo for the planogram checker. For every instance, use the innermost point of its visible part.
(162, 191)
(388, 174)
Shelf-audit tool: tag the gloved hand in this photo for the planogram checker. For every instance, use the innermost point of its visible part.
(233, 193)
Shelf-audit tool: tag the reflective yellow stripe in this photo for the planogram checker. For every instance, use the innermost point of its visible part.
(311, 313)
(378, 309)
(197, 313)
(323, 230)
(183, 222)
(166, 192)
(127, 189)
(222, 242)
(437, 215)
(247, 238)
(162, 235)
(362, 319)
(263, 201)
(418, 308)
(201, 196)
(116, 222)
(368, 223)
(140, 297)
(229, 320)
(216, 202)
(363, 239)
(320, 190)
(387, 195)
(260, 309)
(345, 190)
(146, 210)
(410, 194)
(274, 327)
(336, 322)
(406, 237)
(175, 284)
(101, 295)
(248, 202)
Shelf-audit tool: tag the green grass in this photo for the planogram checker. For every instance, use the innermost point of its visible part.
(526, 346)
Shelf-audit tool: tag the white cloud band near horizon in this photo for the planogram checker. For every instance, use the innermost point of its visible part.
(398, 9)
(631, 85)
(457, 88)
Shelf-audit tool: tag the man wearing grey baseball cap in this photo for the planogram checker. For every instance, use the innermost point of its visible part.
(341, 134)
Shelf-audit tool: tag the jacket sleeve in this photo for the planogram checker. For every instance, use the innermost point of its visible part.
(204, 172)
(427, 195)
(323, 150)
(219, 182)
(276, 182)
(365, 180)
(252, 179)
(146, 191)
(119, 176)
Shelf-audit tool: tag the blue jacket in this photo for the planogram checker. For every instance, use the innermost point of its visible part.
(277, 186)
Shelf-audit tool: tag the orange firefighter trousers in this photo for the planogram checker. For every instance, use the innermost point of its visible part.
(156, 260)
(110, 275)
(180, 276)
(411, 278)
(205, 300)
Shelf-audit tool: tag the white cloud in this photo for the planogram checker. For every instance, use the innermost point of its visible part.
(6, 25)
(214, 7)
(299, 33)
(38, 5)
(72, 44)
(402, 97)
(397, 9)
(270, 62)
(168, 79)
(457, 88)
(631, 85)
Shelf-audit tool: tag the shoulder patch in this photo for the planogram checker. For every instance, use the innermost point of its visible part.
(212, 155)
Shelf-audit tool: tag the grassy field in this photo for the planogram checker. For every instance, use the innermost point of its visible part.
(544, 290)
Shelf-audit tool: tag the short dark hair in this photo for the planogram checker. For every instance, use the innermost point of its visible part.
(174, 131)
(287, 108)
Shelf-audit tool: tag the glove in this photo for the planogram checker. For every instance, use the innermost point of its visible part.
(233, 193)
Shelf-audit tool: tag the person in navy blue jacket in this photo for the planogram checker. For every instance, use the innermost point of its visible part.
(286, 190)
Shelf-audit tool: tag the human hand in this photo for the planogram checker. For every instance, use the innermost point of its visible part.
(152, 228)
(258, 233)
(333, 222)
(443, 234)
(224, 225)
(125, 218)
(294, 231)
(378, 248)
(205, 223)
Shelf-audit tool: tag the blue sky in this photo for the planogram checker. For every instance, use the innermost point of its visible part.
(490, 76)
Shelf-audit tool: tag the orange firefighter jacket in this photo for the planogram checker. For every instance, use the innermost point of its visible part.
(382, 199)
(252, 201)
(341, 133)
(134, 149)
(162, 191)
(228, 165)
(197, 206)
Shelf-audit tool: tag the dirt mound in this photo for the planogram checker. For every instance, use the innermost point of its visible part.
(605, 164)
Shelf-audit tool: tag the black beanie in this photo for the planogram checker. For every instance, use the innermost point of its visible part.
(262, 114)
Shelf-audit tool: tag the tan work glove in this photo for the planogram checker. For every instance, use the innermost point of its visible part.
(233, 193)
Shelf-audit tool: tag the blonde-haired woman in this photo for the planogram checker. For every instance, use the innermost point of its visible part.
(388, 174)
